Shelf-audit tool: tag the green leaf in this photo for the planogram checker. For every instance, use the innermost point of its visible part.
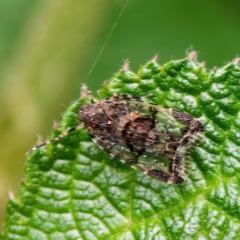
(73, 190)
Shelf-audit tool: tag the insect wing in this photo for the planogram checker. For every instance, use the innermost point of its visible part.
(167, 148)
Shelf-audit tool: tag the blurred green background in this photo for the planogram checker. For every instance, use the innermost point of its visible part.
(47, 49)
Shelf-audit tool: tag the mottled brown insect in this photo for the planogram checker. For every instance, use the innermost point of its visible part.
(148, 137)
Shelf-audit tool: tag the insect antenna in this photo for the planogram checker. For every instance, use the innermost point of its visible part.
(64, 134)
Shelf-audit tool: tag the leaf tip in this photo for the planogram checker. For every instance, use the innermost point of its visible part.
(125, 66)
(55, 125)
(192, 55)
(105, 83)
(11, 195)
(155, 58)
(83, 91)
(236, 60)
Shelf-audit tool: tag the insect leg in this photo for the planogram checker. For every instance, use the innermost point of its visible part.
(64, 134)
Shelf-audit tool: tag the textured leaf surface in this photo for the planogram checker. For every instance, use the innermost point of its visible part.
(73, 190)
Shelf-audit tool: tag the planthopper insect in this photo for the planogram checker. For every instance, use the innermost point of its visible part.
(150, 138)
